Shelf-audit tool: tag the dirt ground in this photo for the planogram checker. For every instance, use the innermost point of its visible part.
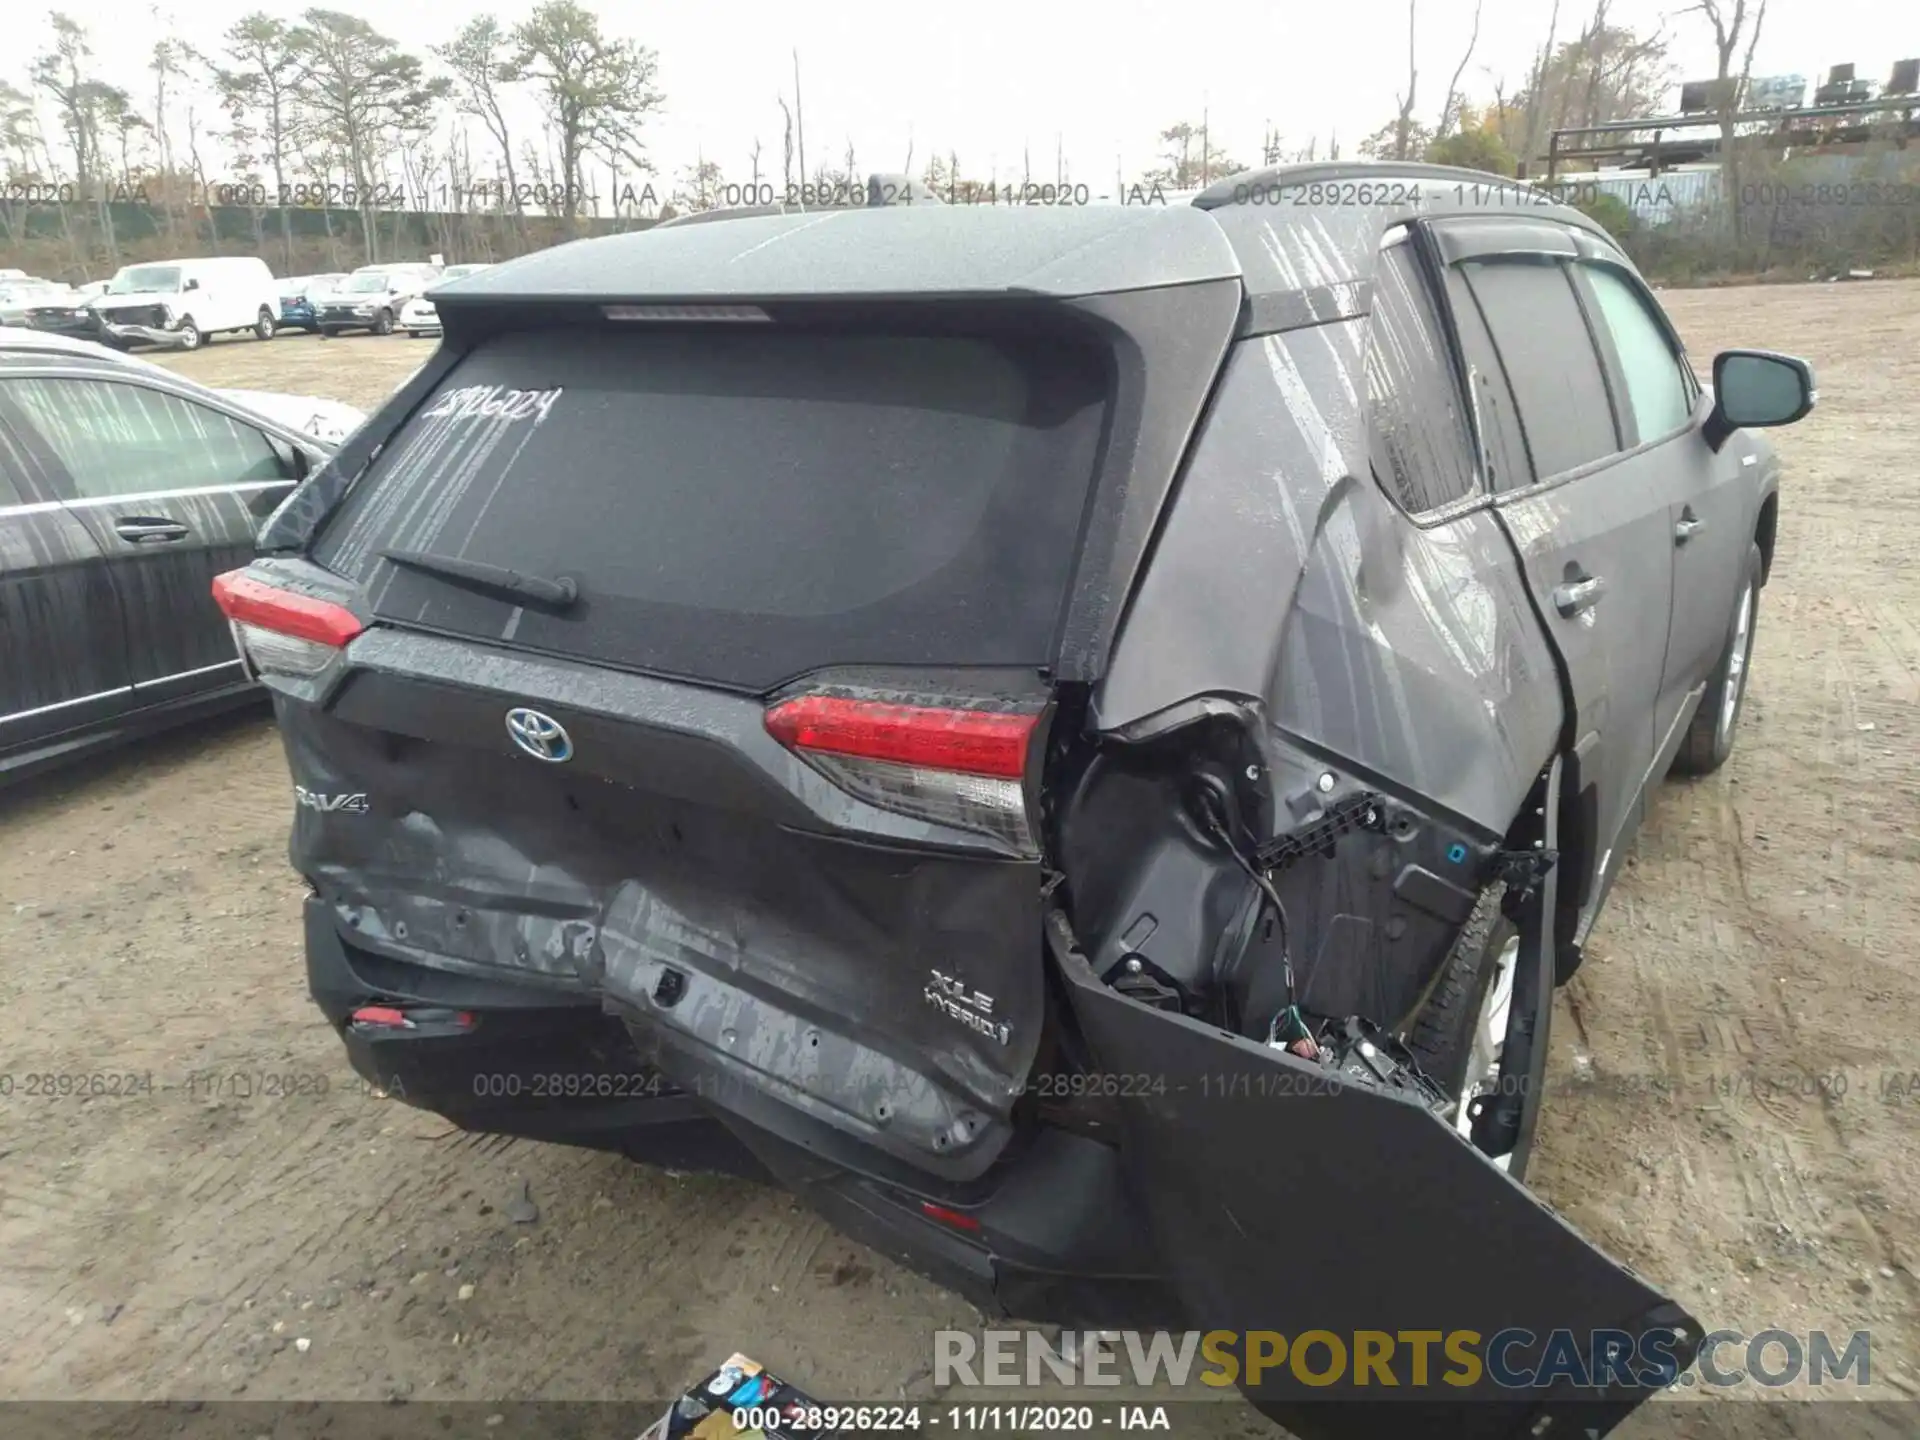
(1733, 1114)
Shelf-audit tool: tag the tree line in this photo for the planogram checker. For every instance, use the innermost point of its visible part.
(346, 146)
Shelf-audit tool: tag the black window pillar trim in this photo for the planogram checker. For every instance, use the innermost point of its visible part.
(1432, 266)
(296, 524)
(1612, 371)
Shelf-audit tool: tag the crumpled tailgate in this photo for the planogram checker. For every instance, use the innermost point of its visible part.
(1285, 1201)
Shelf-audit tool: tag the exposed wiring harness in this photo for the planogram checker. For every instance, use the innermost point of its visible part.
(1287, 1027)
(1260, 860)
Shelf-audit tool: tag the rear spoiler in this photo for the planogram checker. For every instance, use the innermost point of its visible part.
(882, 189)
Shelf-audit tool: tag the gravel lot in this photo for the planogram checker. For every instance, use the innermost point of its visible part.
(1734, 1114)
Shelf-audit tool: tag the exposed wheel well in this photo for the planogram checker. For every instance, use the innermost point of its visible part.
(1579, 824)
(1764, 531)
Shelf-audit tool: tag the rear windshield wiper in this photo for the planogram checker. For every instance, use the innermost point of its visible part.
(557, 594)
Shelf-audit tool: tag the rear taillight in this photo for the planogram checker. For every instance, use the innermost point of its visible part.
(963, 768)
(280, 632)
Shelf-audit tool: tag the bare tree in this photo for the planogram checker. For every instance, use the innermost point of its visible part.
(1729, 19)
(165, 66)
(200, 175)
(786, 146)
(1403, 128)
(799, 118)
(1450, 110)
(1529, 140)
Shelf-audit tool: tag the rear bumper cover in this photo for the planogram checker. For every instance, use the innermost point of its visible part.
(535, 1063)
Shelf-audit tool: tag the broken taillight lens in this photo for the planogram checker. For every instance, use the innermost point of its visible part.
(957, 767)
(280, 632)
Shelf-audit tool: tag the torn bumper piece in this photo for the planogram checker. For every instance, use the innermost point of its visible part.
(143, 334)
(1284, 1201)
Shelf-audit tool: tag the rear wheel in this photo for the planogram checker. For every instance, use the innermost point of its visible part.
(1459, 1033)
(1709, 737)
(263, 326)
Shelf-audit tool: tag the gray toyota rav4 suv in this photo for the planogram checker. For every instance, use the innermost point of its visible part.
(1079, 740)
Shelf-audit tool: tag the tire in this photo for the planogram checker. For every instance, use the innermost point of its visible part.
(189, 333)
(263, 326)
(383, 323)
(327, 332)
(1444, 1030)
(1710, 734)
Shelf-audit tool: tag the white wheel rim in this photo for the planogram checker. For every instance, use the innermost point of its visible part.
(1489, 1040)
(1737, 663)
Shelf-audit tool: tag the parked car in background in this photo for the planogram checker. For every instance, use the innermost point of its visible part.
(419, 317)
(1126, 881)
(124, 489)
(22, 295)
(373, 296)
(174, 304)
(90, 288)
(300, 297)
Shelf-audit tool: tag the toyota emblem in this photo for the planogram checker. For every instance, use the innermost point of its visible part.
(541, 736)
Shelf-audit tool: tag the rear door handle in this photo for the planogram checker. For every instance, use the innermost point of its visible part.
(1685, 528)
(1577, 595)
(148, 529)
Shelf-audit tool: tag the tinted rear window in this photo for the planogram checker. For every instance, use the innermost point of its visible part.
(743, 505)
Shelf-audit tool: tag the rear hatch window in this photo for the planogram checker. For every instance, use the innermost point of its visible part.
(742, 504)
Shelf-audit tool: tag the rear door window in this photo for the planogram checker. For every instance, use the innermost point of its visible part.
(743, 504)
(1422, 448)
(1550, 361)
(1508, 467)
(115, 439)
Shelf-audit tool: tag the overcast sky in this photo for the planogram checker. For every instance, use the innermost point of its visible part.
(987, 77)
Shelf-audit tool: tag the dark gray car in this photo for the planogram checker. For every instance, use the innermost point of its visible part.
(1078, 740)
(124, 489)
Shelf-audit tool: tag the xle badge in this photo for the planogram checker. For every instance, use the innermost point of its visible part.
(972, 1008)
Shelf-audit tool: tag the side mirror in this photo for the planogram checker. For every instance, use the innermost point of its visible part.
(1754, 389)
(193, 284)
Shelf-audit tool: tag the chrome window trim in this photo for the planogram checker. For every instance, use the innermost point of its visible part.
(185, 674)
(120, 690)
(86, 502)
(65, 704)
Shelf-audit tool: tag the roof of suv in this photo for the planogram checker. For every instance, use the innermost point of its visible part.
(1279, 230)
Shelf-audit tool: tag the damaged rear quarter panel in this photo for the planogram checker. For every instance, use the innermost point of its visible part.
(1285, 576)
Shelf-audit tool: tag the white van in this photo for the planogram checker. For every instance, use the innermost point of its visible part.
(179, 303)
